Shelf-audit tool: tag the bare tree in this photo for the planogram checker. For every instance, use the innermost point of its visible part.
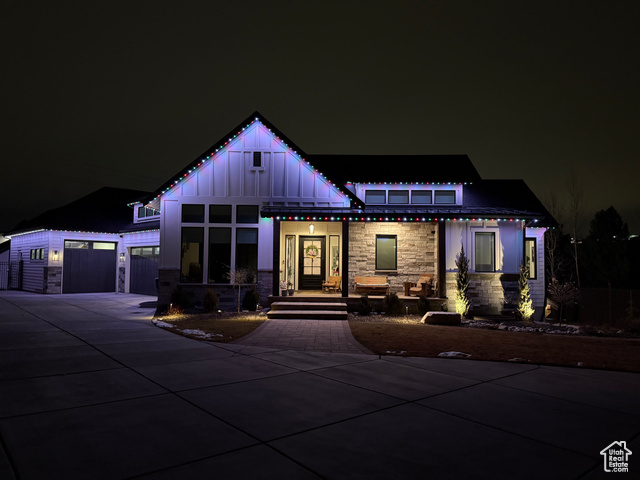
(576, 206)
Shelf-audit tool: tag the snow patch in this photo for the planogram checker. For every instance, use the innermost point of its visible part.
(454, 355)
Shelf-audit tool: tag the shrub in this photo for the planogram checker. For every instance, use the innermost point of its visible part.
(525, 304)
(392, 304)
(251, 300)
(364, 306)
(211, 300)
(462, 283)
(423, 305)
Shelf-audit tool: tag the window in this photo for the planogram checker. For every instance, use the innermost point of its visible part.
(104, 246)
(530, 256)
(445, 196)
(74, 244)
(219, 254)
(146, 212)
(421, 197)
(247, 213)
(220, 213)
(375, 196)
(145, 251)
(398, 196)
(37, 254)
(192, 213)
(247, 250)
(485, 252)
(191, 260)
(386, 258)
(257, 159)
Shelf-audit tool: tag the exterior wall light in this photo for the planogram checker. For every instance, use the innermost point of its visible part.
(55, 256)
(312, 228)
(122, 257)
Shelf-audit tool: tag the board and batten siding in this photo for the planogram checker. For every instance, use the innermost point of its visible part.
(32, 270)
(229, 177)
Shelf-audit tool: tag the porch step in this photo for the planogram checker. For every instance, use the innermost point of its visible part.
(308, 310)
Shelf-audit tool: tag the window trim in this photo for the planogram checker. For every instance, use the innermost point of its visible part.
(475, 251)
(387, 236)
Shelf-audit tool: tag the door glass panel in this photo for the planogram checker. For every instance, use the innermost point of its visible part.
(312, 257)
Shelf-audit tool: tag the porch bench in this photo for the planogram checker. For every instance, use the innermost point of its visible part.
(376, 284)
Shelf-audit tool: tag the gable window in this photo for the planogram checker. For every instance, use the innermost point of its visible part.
(421, 197)
(386, 252)
(192, 213)
(530, 256)
(219, 254)
(445, 196)
(146, 212)
(375, 196)
(247, 213)
(485, 253)
(257, 159)
(192, 250)
(219, 213)
(398, 196)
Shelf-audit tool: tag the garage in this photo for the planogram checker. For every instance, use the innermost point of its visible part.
(144, 270)
(89, 267)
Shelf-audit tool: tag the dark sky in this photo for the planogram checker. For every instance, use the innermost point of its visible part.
(125, 94)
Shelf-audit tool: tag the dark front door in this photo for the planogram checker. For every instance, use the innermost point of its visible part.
(312, 263)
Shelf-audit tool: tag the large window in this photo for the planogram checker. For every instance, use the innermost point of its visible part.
(219, 255)
(445, 196)
(530, 256)
(386, 249)
(485, 252)
(192, 250)
(247, 250)
(398, 196)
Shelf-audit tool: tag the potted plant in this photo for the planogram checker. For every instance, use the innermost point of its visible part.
(283, 288)
(290, 285)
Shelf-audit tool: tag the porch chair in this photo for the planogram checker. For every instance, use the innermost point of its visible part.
(334, 283)
(422, 288)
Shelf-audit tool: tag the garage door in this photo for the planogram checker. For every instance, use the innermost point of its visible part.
(144, 270)
(89, 267)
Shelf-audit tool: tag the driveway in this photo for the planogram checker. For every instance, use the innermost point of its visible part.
(90, 389)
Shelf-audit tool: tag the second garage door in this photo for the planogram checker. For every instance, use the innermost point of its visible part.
(144, 270)
(89, 267)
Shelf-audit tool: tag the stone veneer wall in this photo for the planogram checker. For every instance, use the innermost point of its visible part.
(168, 280)
(490, 293)
(52, 280)
(417, 251)
(121, 276)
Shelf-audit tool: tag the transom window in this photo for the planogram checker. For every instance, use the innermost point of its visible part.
(247, 213)
(192, 213)
(398, 196)
(421, 197)
(445, 196)
(219, 213)
(375, 196)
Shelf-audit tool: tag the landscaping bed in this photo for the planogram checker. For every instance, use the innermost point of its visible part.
(223, 327)
(543, 344)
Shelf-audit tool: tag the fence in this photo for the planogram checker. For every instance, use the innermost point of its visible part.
(11, 275)
(615, 307)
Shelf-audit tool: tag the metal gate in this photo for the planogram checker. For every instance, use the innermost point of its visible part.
(144, 270)
(11, 275)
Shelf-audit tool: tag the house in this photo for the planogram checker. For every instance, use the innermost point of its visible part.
(95, 244)
(256, 202)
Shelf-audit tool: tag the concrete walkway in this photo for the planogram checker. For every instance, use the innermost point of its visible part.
(90, 389)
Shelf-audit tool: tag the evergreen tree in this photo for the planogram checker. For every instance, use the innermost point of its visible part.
(525, 304)
(462, 283)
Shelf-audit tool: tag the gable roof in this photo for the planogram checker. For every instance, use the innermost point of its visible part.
(340, 169)
(104, 210)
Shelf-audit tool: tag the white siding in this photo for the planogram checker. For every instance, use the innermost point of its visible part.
(537, 286)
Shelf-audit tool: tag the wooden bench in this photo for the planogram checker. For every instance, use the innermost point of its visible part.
(333, 283)
(422, 288)
(378, 285)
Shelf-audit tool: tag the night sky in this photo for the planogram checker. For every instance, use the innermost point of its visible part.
(126, 94)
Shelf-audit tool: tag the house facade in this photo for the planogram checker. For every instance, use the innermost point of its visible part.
(256, 208)
(256, 203)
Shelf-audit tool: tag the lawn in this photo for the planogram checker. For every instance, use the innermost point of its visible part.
(410, 338)
(218, 327)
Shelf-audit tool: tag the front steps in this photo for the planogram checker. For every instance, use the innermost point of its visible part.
(314, 308)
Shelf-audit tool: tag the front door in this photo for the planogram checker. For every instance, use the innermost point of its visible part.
(312, 263)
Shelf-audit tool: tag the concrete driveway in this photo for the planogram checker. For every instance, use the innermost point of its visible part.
(90, 389)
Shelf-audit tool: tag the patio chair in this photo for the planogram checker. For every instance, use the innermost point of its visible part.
(422, 288)
(333, 283)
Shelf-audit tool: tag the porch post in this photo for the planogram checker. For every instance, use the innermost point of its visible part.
(345, 258)
(442, 260)
(276, 258)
